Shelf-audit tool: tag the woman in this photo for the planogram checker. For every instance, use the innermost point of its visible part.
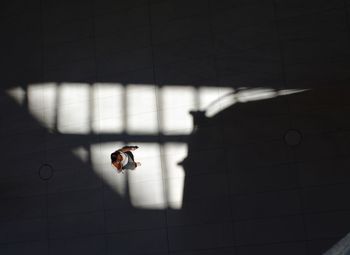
(123, 159)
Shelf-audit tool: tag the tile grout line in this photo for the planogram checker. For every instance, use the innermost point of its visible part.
(42, 73)
(294, 156)
(213, 60)
(159, 123)
(96, 75)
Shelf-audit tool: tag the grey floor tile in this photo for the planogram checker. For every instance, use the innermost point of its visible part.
(138, 242)
(321, 146)
(260, 154)
(227, 4)
(23, 231)
(63, 160)
(190, 71)
(325, 198)
(67, 32)
(73, 72)
(287, 8)
(90, 245)
(320, 73)
(167, 11)
(274, 249)
(250, 180)
(62, 54)
(15, 170)
(266, 204)
(320, 246)
(183, 49)
(30, 142)
(327, 225)
(204, 236)
(23, 187)
(215, 251)
(242, 16)
(130, 219)
(53, 11)
(117, 24)
(124, 62)
(207, 185)
(342, 141)
(316, 121)
(215, 160)
(321, 172)
(200, 211)
(73, 179)
(270, 230)
(305, 26)
(76, 225)
(40, 248)
(88, 200)
(125, 40)
(105, 7)
(190, 26)
(23, 208)
(315, 49)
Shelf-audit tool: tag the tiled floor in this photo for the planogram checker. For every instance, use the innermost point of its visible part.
(214, 94)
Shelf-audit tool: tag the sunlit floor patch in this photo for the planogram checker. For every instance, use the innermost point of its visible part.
(142, 114)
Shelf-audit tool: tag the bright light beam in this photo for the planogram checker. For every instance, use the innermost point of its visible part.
(176, 103)
(108, 108)
(73, 109)
(141, 109)
(136, 109)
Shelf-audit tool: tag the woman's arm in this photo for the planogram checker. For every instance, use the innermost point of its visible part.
(128, 148)
(118, 166)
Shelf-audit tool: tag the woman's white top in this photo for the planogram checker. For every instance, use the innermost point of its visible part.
(125, 158)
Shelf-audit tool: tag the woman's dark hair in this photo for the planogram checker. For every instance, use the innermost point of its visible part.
(113, 157)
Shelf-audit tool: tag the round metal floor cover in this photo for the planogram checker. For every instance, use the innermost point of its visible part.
(293, 137)
(45, 172)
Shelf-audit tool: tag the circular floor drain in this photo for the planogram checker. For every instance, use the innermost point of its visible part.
(45, 172)
(293, 137)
